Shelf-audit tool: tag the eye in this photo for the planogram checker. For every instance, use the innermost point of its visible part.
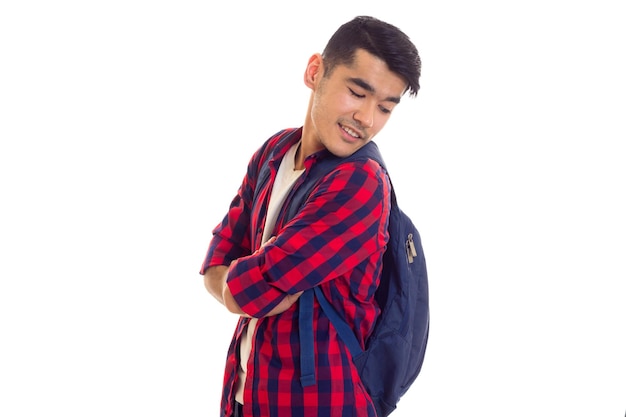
(384, 109)
(355, 94)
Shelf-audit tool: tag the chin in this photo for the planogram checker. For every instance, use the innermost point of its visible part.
(344, 150)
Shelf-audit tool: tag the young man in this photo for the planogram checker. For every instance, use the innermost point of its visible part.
(258, 263)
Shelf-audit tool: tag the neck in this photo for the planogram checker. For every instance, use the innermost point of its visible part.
(309, 143)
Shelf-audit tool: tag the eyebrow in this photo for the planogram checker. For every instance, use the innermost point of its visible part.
(367, 87)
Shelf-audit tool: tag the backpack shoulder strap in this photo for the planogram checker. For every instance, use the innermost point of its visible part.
(343, 329)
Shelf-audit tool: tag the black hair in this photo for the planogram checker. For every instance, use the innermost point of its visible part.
(380, 39)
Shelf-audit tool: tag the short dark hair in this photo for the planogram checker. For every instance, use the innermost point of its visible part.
(382, 40)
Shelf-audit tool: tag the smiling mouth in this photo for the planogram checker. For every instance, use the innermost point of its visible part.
(353, 133)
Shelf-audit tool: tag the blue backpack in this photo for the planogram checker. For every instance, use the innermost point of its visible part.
(394, 353)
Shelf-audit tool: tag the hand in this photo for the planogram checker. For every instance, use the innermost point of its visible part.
(269, 241)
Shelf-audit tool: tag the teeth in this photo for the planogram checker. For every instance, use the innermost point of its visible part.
(350, 131)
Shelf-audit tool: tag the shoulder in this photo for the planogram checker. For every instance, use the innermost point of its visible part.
(365, 166)
(280, 142)
(355, 176)
(367, 161)
(272, 148)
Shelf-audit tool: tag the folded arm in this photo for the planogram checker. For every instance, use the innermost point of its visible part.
(215, 281)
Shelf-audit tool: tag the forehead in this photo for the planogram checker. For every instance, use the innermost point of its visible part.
(374, 72)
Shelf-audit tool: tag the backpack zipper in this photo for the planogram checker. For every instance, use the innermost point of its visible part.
(411, 253)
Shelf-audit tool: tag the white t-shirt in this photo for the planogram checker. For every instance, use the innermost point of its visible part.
(285, 178)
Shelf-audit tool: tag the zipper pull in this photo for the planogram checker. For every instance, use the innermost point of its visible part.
(410, 248)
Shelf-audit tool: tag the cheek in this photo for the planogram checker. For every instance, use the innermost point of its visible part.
(379, 123)
(346, 104)
(338, 103)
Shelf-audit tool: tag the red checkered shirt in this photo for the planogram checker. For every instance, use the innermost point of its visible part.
(336, 242)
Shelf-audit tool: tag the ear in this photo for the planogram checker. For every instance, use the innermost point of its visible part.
(314, 71)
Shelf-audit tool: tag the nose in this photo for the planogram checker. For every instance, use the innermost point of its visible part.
(365, 114)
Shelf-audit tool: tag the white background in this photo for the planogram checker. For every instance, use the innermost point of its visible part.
(125, 130)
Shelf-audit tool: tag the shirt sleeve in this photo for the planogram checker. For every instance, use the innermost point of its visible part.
(341, 225)
(232, 237)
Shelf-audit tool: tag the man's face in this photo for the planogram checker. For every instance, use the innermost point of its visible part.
(352, 105)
